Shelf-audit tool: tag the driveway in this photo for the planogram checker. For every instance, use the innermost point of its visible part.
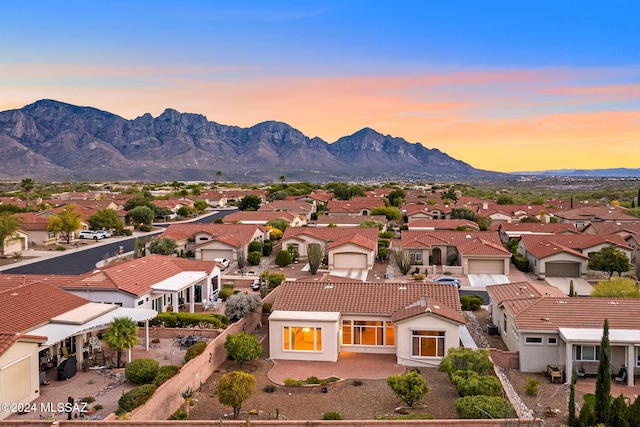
(352, 273)
(581, 286)
(480, 281)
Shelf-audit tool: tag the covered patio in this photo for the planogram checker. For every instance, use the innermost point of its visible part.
(183, 283)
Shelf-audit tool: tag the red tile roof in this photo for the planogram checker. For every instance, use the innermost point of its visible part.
(367, 298)
(262, 216)
(421, 238)
(238, 233)
(542, 248)
(356, 204)
(355, 239)
(578, 242)
(537, 227)
(538, 307)
(331, 234)
(442, 224)
(10, 281)
(26, 307)
(479, 246)
(7, 339)
(595, 213)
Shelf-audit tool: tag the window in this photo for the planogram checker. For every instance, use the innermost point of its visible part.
(52, 234)
(587, 352)
(504, 326)
(427, 343)
(368, 332)
(416, 256)
(637, 356)
(552, 341)
(533, 340)
(297, 338)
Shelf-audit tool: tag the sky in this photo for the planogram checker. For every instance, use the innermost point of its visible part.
(502, 85)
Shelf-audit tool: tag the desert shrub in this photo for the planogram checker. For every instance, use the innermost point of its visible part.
(266, 307)
(470, 383)
(98, 407)
(418, 276)
(331, 416)
(273, 279)
(471, 302)
(521, 263)
(267, 247)
(483, 407)
(464, 359)
(255, 246)
(253, 258)
(88, 399)
(386, 235)
(165, 373)
(283, 258)
(410, 388)
(134, 398)
(142, 371)
(269, 388)
(312, 380)
(357, 383)
(531, 387)
(383, 253)
(382, 243)
(180, 414)
(225, 293)
(145, 228)
(174, 319)
(195, 350)
(293, 383)
(239, 305)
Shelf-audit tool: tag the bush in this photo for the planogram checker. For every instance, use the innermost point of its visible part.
(531, 387)
(142, 371)
(383, 243)
(418, 276)
(387, 235)
(88, 399)
(331, 416)
(383, 252)
(521, 263)
(293, 383)
(173, 319)
(254, 258)
(463, 359)
(471, 302)
(225, 293)
(195, 350)
(470, 383)
(312, 380)
(165, 373)
(483, 407)
(255, 246)
(145, 228)
(267, 247)
(266, 307)
(269, 388)
(180, 414)
(283, 258)
(134, 398)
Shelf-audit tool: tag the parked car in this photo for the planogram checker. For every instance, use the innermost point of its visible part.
(89, 234)
(448, 279)
(223, 261)
(103, 233)
(255, 285)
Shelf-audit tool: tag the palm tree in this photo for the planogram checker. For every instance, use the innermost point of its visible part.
(9, 225)
(122, 334)
(282, 179)
(27, 185)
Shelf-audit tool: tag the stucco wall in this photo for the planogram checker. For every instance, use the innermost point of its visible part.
(18, 353)
(330, 337)
(425, 322)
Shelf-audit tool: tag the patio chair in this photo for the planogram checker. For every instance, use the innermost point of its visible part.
(622, 376)
(95, 344)
(579, 372)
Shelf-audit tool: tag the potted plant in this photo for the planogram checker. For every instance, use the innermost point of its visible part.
(86, 363)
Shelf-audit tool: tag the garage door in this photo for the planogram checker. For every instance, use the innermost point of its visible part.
(486, 266)
(211, 254)
(562, 269)
(350, 260)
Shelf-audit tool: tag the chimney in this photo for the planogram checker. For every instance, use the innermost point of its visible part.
(485, 205)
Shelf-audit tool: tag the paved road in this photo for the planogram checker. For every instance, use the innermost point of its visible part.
(82, 261)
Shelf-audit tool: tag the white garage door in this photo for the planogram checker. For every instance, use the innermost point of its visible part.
(486, 266)
(211, 254)
(562, 269)
(350, 260)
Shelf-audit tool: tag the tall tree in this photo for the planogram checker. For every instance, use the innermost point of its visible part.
(282, 179)
(66, 222)
(242, 347)
(250, 202)
(105, 219)
(27, 185)
(234, 388)
(571, 419)
(609, 260)
(603, 379)
(163, 246)
(9, 225)
(315, 254)
(122, 334)
(141, 215)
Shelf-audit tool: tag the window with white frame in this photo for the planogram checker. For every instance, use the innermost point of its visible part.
(368, 332)
(427, 343)
(299, 338)
(587, 352)
(533, 340)
(416, 256)
(552, 341)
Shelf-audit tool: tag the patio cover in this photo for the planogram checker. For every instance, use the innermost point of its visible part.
(56, 332)
(629, 336)
(180, 281)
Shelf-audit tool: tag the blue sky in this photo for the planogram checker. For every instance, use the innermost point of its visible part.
(473, 79)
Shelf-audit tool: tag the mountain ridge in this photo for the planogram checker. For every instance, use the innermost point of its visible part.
(53, 140)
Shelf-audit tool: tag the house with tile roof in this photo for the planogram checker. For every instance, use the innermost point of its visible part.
(546, 327)
(350, 221)
(263, 217)
(418, 322)
(154, 282)
(43, 324)
(442, 225)
(210, 241)
(354, 206)
(418, 212)
(297, 207)
(479, 252)
(566, 255)
(585, 215)
(514, 230)
(346, 248)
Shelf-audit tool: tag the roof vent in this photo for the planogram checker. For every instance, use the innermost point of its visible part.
(402, 288)
(561, 301)
(613, 302)
(328, 287)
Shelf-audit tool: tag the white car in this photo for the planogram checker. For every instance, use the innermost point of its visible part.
(223, 261)
(103, 233)
(89, 234)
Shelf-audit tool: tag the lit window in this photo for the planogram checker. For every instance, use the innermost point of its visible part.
(368, 332)
(427, 343)
(297, 338)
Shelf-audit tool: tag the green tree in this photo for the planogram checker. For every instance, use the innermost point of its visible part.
(280, 224)
(315, 255)
(234, 388)
(122, 334)
(242, 347)
(138, 201)
(66, 222)
(184, 211)
(505, 200)
(466, 359)
(27, 185)
(163, 246)
(617, 287)
(609, 260)
(572, 421)
(463, 213)
(9, 226)
(603, 379)
(200, 205)
(282, 179)
(391, 213)
(410, 389)
(396, 197)
(141, 215)
(283, 258)
(619, 416)
(250, 202)
(239, 305)
(105, 219)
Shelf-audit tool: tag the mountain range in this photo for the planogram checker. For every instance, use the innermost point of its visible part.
(587, 173)
(55, 141)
